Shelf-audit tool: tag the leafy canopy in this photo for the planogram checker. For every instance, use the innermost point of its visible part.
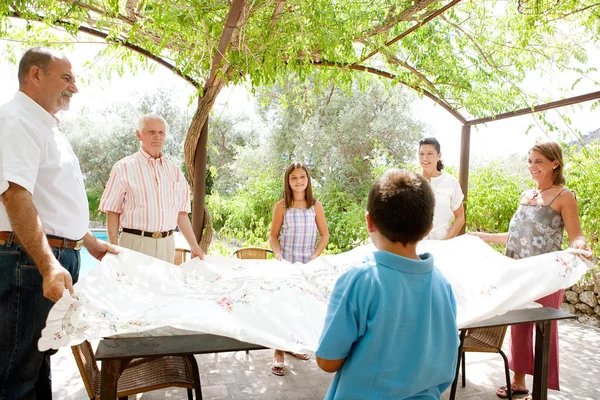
(474, 57)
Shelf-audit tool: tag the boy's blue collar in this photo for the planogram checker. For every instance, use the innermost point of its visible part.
(403, 264)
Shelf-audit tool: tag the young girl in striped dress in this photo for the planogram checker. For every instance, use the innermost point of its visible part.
(297, 218)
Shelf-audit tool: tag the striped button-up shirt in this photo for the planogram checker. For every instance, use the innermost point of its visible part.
(148, 193)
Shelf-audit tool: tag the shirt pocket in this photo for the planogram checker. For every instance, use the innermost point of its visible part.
(443, 197)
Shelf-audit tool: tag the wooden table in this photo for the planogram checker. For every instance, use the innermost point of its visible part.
(542, 317)
(115, 354)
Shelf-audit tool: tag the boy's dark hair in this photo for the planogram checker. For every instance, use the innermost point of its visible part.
(401, 204)
(434, 142)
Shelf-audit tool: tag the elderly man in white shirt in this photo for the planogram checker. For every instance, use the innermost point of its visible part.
(43, 219)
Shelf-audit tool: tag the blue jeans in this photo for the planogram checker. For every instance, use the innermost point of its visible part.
(25, 371)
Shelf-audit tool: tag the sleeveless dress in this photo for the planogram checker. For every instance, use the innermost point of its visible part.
(298, 234)
(534, 230)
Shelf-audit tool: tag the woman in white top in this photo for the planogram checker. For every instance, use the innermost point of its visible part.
(449, 214)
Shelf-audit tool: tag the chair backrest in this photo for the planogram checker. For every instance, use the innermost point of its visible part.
(88, 368)
(485, 339)
(251, 253)
(180, 256)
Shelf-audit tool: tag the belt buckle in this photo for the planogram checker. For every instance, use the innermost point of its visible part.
(78, 245)
(157, 235)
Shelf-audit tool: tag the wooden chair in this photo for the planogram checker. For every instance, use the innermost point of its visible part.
(251, 253)
(486, 340)
(181, 256)
(141, 374)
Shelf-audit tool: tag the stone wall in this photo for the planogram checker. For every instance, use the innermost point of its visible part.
(583, 301)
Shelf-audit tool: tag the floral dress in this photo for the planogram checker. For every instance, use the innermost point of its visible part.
(534, 230)
(298, 235)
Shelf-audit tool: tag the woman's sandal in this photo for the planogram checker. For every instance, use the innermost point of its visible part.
(299, 356)
(278, 368)
(505, 390)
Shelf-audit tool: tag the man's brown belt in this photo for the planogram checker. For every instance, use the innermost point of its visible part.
(8, 238)
(155, 235)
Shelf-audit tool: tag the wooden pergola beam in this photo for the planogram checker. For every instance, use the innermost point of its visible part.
(391, 76)
(94, 32)
(541, 107)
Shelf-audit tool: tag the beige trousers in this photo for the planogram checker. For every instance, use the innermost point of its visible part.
(163, 249)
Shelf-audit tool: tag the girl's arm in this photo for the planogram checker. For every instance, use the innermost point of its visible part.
(570, 214)
(278, 212)
(459, 221)
(322, 227)
(499, 238)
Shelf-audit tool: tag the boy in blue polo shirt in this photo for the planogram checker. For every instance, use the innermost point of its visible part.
(390, 330)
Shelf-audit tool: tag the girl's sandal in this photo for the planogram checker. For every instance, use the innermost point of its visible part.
(299, 356)
(278, 368)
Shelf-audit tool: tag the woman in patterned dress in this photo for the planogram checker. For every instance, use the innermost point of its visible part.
(536, 228)
(297, 218)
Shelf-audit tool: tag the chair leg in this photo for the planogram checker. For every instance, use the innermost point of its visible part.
(507, 373)
(190, 394)
(196, 376)
(247, 352)
(464, 370)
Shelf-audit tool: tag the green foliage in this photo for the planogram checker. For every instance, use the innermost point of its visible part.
(340, 135)
(247, 215)
(474, 56)
(494, 192)
(583, 177)
(94, 197)
(345, 219)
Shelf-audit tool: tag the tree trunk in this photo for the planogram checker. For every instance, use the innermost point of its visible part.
(195, 149)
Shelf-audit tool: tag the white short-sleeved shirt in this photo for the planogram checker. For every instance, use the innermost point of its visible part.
(448, 197)
(37, 156)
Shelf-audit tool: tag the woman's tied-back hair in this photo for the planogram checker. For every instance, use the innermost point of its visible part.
(553, 152)
(401, 205)
(288, 197)
(433, 141)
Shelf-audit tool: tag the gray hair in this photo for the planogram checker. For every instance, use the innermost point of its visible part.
(41, 57)
(151, 117)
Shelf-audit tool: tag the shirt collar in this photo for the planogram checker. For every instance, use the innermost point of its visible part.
(403, 264)
(36, 110)
(149, 158)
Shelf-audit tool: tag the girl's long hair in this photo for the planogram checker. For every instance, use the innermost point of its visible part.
(288, 197)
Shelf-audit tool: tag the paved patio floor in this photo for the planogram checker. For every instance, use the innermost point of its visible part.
(241, 376)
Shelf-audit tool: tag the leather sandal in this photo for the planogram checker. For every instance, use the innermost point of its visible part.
(278, 368)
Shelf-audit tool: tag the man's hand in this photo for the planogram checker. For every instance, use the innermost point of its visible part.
(196, 251)
(97, 248)
(55, 280)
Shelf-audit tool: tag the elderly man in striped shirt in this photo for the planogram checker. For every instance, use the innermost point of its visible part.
(148, 196)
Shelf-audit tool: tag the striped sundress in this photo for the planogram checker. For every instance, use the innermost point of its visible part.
(298, 235)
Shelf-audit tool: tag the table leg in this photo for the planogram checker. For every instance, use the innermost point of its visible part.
(109, 376)
(542, 355)
(460, 347)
